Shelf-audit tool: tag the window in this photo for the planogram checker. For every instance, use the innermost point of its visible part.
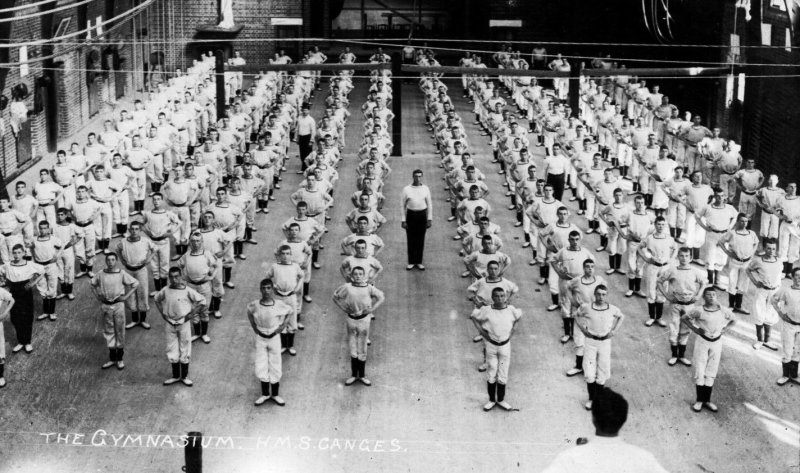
(779, 4)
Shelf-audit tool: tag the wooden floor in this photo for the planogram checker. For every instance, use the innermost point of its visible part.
(423, 412)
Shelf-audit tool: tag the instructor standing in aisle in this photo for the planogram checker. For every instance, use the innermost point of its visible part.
(417, 218)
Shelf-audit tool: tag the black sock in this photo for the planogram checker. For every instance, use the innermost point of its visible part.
(767, 329)
(651, 309)
(710, 275)
(674, 350)
(2, 370)
(354, 367)
(289, 340)
(638, 282)
(142, 316)
(543, 271)
(678, 232)
(306, 286)
(276, 389)
(603, 240)
(226, 274)
(264, 388)
(554, 298)
(134, 316)
(501, 392)
(362, 368)
(565, 322)
(760, 333)
(176, 370)
(314, 256)
(631, 284)
(284, 340)
(659, 309)
(708, 390)
(203, 328)
(157, 284)
(579, 362)
(619, 262)
(731, 300)
(492, 388)
(215, 303)
(590, 387)
(112, 354)
(452, 211)
(120, 353)
(681, 351)
(184, 370)
(700, 393)
(739, 299)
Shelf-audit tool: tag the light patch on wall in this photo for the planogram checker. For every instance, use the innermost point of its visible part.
(23, 59)
(766, 34)
(729, 86)
(99, 28)
(740, 88)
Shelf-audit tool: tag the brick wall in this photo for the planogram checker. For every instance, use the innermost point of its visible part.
(68, 77)
(173, 25)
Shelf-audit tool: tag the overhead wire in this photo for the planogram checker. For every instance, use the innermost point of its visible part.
(160, 42)
(25, 7)
(42, 13)
(450, 76)
(121, 17)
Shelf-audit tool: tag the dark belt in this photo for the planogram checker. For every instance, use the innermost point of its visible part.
(357, 317)
(595, 337)
(658, 264)
(742, 260)
(111, 303)
(282, 294)
(266, 336)
(65, 185)
(498, 344)
(83, 224)
(135, 169)
(45, 263)
(46, 205)
(718, 231)
(710, 339)
(749, 192)
(7, 234)
(135, 268)
(314, 215)
(176, 205)
(729, 173)
(684, 303)
(161, 238)
(196, 283)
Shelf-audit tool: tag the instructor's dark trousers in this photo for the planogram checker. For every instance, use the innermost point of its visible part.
(557, 181)
(416, 226)
(304, 143)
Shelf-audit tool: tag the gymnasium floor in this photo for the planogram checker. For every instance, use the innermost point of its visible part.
(60, 412)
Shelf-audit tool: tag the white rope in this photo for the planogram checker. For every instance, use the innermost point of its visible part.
(42, 13)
